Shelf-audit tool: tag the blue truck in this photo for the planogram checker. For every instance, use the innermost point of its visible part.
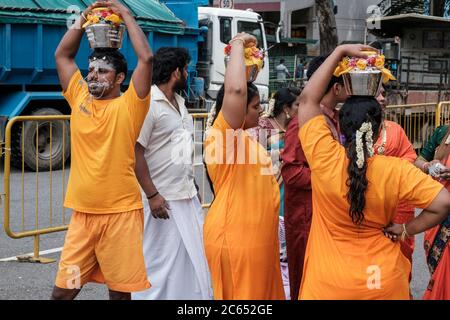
(30, 31)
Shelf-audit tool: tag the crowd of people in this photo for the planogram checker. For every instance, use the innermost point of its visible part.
(309, 202)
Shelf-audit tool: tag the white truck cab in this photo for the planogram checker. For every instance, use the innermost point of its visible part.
(223, 25)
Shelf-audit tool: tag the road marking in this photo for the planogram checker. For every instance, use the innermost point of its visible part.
(41, 253)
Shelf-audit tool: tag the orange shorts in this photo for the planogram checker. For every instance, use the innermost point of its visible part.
(104, 248)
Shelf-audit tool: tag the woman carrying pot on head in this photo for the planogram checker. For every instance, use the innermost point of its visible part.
(355, 196)
(241, 228)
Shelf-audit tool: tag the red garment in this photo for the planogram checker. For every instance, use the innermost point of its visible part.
(297, 205)
(332, 117)
(439, 285)
(396, 144)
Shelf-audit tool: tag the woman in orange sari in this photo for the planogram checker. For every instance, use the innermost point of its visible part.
(241, 228)
(355, 196)
(437, 240)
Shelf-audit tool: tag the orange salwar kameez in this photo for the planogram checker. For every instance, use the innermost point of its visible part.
(348, 261)
(241, 227)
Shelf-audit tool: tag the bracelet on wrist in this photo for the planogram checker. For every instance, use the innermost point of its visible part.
(405, 233)
(153, 195)
(425, 167)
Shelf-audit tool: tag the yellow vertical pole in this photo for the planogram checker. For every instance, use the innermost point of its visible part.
(438, 114)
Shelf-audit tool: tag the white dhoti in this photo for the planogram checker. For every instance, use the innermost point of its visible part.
(175, 255)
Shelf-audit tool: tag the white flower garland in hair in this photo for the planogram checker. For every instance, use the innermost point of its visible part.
(211, 116)
(366, 128)
(271, 107)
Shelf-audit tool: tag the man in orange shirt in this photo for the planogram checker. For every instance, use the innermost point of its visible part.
(104, 241)
(393, 142)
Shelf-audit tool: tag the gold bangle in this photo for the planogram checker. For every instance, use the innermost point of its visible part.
(405, 233)
(404, 229)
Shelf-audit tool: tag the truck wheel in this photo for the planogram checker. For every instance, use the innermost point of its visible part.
(49, 155)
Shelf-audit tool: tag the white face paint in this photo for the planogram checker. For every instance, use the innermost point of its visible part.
(100, 84)
(98, 64)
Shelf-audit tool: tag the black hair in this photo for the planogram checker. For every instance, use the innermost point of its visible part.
(112, 56)
(355, 111)
(284, 97)
(282, 60)
(252, 92)
(166, 61)
(315, 64)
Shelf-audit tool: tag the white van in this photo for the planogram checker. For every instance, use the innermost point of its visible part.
(223, 25)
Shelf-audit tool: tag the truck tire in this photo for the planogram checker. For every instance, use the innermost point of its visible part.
(49, 156)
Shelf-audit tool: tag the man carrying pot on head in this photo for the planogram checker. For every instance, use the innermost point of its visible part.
(104, 241)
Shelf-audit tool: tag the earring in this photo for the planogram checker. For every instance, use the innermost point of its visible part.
(288, 116)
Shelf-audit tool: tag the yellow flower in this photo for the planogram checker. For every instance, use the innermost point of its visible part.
(342, 67)
(114, 18)
(387, 75)
(379, 62)
(344, 63)
(361, 64)
(91, 19)
(248, 52)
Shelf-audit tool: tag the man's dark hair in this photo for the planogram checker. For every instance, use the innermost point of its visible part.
(315, 64)
(112, 56)
(166, 61)
(282, 60)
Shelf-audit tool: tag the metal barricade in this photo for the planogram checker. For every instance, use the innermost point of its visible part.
(200, 120)
(37, 209)
(443, 110)
(19, 225)
(418, 121)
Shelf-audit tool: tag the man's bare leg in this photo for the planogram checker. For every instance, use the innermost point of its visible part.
(64, 294)
(116, 295)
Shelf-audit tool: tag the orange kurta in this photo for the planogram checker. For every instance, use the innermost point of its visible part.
(393, 142)
(343, 260)
(241, 228)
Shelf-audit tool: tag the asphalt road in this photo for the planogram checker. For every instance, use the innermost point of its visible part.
(35, 281)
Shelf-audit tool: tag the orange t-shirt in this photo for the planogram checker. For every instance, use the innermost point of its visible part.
(103, 136)
(343, 260)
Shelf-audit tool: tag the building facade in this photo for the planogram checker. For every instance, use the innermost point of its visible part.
(299, 18)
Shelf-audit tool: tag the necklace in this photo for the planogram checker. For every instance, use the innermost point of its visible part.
(282, 128)
(382, 148)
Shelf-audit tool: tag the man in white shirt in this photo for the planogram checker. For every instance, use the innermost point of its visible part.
(282, 72)
(173, 234)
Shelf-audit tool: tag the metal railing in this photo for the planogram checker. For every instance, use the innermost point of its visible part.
(200, 120)
(35, 229)
(418, 121)
(24, 215)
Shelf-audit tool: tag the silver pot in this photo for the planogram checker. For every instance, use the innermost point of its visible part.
(103, 35)
(363, 83)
